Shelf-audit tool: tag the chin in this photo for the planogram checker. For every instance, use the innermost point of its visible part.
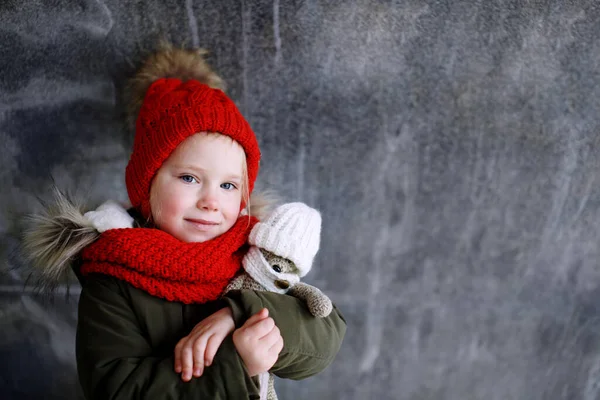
(199, 238)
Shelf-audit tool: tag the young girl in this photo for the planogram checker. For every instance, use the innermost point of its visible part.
(150, 312)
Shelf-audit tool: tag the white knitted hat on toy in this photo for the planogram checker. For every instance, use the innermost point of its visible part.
(292, 231)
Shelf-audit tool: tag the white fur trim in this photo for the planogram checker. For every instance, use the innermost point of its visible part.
(110, 215)
(259, 269)
(292, 231)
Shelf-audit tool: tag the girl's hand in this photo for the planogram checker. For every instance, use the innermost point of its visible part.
(198, 349)
(258, 342)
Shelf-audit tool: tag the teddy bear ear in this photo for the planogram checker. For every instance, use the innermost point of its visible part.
(168, 62)
(289, 266)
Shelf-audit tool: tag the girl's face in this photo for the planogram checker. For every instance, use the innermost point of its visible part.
(196, 194)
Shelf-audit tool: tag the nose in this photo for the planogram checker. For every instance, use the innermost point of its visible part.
(208, 199)
(282, 284)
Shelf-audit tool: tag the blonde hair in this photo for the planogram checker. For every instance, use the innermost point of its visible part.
(245, 184)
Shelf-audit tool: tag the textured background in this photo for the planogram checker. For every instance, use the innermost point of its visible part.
(451, 146)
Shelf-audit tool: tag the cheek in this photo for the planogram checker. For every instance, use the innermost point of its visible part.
(169, 206)
(233, 207)
(164, 203)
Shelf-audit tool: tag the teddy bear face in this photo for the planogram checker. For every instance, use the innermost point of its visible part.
(280, 265)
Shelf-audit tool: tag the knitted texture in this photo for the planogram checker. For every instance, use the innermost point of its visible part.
(171, 112)
(165, 267)
(318, 303)
(261, 271)
(292, 231)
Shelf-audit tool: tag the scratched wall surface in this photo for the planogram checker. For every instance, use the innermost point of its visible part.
(450, 145)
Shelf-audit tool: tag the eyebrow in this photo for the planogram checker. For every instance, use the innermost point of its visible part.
(231, 176)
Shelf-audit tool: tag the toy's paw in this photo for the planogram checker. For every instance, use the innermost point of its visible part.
(110, 215)
(319, 306)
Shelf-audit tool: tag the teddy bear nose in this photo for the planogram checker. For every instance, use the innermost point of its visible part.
(282, 284)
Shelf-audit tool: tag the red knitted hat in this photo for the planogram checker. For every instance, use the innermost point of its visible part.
(172, 111)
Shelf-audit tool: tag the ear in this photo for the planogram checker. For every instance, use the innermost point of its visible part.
(288, 266)
(266, 254)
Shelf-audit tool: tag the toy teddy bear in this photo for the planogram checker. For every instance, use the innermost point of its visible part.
(282, 249)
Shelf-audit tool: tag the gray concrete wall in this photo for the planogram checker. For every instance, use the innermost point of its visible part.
(451, 146)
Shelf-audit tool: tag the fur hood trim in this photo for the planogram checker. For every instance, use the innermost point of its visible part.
(53, 240)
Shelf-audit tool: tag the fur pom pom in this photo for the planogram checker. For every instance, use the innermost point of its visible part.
(53, 240)
(168, 62)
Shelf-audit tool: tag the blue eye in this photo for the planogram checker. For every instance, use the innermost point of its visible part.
(228, 186)
(187, 178)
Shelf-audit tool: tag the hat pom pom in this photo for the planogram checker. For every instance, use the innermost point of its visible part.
(168, 62)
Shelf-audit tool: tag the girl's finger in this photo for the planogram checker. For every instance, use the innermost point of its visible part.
(270, 338)
(277, 346)
(178, 367)
(198, 350)
(211, 349)
(259, 316)
(261, 328)
(187, 362)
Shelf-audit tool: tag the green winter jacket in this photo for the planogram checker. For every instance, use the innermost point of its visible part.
(126, 340)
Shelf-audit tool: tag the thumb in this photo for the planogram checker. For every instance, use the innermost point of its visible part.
(259, 316)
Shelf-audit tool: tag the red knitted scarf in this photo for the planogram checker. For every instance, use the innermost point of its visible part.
(165, 267)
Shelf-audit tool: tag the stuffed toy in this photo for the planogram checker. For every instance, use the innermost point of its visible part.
(282, 249)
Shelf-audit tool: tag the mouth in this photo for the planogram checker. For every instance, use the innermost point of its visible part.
(201, 223)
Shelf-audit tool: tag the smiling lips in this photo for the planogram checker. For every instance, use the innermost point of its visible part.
(202, 223)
